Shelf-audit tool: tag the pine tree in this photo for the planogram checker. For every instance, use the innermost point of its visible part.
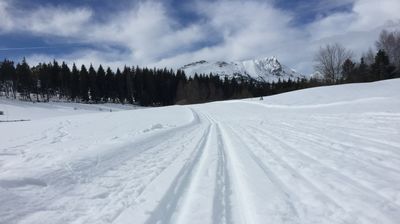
(109, 89)
(55, 78)
(65, 81)
(94, 90)
(128, 79)
(25, 85)
(35, 80)
(84, 84)
(149, 88)
(7, 70)
(382, 69)
(138, 84)
(348, 71)
(120, 86)
(101, 83)
(74, 82)
(362, 73)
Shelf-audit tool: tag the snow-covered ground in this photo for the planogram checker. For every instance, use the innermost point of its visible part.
(321, 155)
(24, 110)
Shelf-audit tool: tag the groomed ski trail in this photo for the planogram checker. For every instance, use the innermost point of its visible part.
(199, 190)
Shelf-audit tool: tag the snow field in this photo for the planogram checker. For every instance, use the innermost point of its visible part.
(321, 155)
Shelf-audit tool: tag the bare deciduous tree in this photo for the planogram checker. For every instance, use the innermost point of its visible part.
(390, 43)
(329, 61)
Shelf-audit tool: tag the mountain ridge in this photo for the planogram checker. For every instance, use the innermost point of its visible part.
(267, 69)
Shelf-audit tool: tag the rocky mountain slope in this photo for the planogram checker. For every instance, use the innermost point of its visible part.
(267, 69)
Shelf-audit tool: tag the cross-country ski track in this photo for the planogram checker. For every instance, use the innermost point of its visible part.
(320, 155)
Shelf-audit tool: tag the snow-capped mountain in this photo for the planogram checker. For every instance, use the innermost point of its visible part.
(267, 69)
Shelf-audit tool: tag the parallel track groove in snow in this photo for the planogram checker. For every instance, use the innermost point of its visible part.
(345, 160)
(167, 205)
(389, 149)
(222, 203)
(380, 206)
(310, 201)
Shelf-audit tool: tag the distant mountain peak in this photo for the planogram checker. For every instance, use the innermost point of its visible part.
(267, 69)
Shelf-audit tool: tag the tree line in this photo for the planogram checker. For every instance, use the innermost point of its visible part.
(335, 63)
(133, 85)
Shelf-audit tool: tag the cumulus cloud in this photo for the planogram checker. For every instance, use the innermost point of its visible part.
(57, 21)
(365, 15)
(247, 27)
(50, 20)
(5, 19)
(225, 30)
(148, 32)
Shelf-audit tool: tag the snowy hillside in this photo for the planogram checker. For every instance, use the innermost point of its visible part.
(266, 69)
(320, 155)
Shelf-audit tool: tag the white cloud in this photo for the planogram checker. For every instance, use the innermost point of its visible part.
(366, 15)
(147, 31)
(54, 21)
(57, 21)
(5, 19)
(372, 13)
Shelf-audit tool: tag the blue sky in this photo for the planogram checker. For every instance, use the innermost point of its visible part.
(175, 32)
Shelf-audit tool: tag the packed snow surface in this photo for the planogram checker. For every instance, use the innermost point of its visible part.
(266, 69)
(321, 155)
(25, 110)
